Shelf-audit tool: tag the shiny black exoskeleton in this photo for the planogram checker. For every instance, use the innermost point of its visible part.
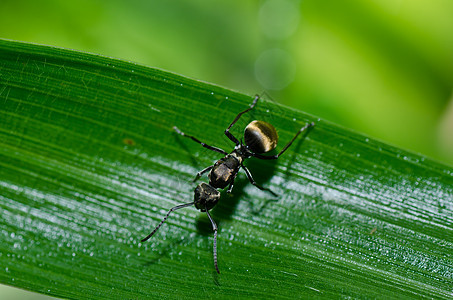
(224, 171)
(259, 137)
(205, 197)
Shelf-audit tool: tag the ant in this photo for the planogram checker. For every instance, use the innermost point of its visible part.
(259, 137)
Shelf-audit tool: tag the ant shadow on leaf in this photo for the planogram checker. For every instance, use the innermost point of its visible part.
(164, 250)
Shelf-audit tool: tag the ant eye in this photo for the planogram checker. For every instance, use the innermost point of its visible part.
(260, 137)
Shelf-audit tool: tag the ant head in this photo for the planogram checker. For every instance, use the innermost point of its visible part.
(205, 196)
(260, 137)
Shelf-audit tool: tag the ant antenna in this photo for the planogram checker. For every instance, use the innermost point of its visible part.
(165, 218)
(214, 227)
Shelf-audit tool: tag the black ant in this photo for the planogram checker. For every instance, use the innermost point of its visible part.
(259, 137)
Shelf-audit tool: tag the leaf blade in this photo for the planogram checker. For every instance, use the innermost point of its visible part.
(90, 165)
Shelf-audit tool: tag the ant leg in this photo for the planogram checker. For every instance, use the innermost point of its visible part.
(198, 141)
(252, 181)
(306, 127)
(165, 218)
(214, 227)
(227, 131)
(202, 172)
(230, 188)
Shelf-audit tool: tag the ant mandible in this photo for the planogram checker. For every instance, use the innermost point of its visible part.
(259, 137)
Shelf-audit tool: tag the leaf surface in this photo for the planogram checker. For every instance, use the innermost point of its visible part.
(90, 163)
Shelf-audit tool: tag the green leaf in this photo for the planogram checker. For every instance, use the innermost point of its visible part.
(90, 163)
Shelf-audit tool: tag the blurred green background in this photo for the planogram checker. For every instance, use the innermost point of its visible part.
(381, 67)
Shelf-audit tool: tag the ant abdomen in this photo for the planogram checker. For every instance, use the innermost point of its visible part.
(260, 137)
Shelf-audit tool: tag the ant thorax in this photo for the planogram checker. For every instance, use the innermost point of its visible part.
(225, 170)
(238, 154)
